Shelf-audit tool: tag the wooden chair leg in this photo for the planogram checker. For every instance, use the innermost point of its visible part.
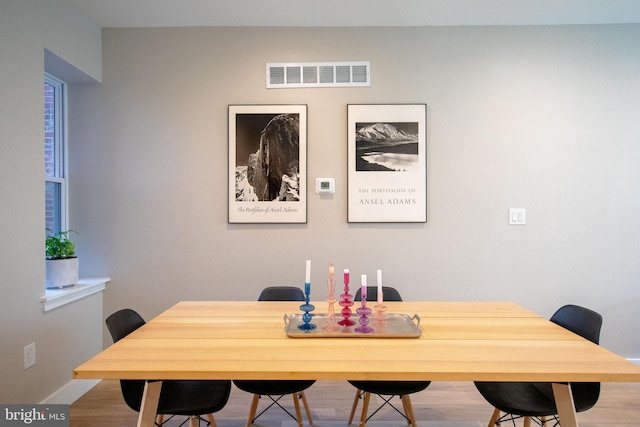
(494, 418)
(306, 406)
(253, 409)
(405, 409)
(355, 405)
(408, 410)
(212, 421)
(527, 422)
(365, 408)
(159, 419)
(296, 405)
(193, 421)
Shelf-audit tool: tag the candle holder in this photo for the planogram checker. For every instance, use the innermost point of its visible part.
(306, 308)
(346, 302)
(364, 313)
(331, 300)
(380, 311)
(379, 315)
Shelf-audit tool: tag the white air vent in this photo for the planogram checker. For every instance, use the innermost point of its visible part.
(318, 74)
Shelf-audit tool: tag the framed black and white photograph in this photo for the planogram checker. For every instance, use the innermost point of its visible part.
(267, 163)
(387, 163)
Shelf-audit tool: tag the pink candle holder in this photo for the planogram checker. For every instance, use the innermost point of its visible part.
(364, 313)
(380, 312)
(345, 303)
(380, 317)
(331, 315)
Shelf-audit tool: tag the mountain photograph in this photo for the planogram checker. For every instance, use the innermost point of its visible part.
(387, 147)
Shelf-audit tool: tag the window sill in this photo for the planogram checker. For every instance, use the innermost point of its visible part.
(55, 298)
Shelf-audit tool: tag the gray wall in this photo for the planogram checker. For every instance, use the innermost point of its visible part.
(544, 118)
(69, 335)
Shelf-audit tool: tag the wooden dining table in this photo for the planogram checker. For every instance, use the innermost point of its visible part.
(458, 341)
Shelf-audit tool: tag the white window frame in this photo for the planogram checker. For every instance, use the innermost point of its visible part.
(60, 142)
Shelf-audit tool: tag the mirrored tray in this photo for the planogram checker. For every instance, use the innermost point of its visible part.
(392, 326)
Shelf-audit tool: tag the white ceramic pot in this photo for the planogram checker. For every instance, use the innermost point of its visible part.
(62, 272)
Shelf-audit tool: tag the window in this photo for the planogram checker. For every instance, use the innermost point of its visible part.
(55, 147)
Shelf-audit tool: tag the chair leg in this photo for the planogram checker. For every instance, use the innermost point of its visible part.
(408, 410)
(252, 409)
(365, 408)
(494, 418)
(296, 405)
(193, 421)
(212, 421)
(159, 419)
(527, 422)
(306, 406)
(404, 408)
(355, 405)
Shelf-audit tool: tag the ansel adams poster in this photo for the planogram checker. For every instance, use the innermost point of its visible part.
(387, 163)
(267, 163)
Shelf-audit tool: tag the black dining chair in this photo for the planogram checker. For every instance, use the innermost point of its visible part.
(388, 293)
(387, 390)
(535, 400)
(193, 399)
(276, 389)
(281, 293)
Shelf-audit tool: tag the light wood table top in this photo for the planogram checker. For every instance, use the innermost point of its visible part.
(460, 341)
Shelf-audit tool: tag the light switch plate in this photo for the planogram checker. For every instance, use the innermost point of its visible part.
(517, 216)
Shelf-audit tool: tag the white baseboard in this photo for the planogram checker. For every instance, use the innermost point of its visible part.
(70, 392)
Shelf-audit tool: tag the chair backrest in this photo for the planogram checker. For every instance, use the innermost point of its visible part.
(120, 324)
(586, 323)
(388, 293)
(580, 320)
(123, 322)
(281, 293)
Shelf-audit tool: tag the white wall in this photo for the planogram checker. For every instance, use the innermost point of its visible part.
(67, 336)
(544, 118)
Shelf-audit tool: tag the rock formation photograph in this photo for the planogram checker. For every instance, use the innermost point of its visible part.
(267, 157)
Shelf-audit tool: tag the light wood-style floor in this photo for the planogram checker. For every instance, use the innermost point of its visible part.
(619, 406)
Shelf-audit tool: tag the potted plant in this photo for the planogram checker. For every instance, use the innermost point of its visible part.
(61, 261)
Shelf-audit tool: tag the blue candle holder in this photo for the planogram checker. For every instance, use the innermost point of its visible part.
(306, 308)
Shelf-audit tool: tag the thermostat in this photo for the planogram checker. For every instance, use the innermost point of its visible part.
(325, 185)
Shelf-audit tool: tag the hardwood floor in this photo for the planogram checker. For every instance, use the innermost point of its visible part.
(618, 406)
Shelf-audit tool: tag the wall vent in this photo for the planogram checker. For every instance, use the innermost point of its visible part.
(318, 74)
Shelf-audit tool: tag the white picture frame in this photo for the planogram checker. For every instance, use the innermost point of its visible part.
(267, 164)
(387, 163)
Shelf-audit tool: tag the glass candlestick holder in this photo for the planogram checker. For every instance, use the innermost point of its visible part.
(331, 325)
(379, 309)
(345, 303)
(307, 308)
(364, 313)
(380, 315)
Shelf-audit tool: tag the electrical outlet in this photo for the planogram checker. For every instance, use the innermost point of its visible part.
(30, 355)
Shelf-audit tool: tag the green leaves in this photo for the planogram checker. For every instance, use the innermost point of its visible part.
(58, 245)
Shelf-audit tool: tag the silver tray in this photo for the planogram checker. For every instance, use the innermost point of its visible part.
(393, 326)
